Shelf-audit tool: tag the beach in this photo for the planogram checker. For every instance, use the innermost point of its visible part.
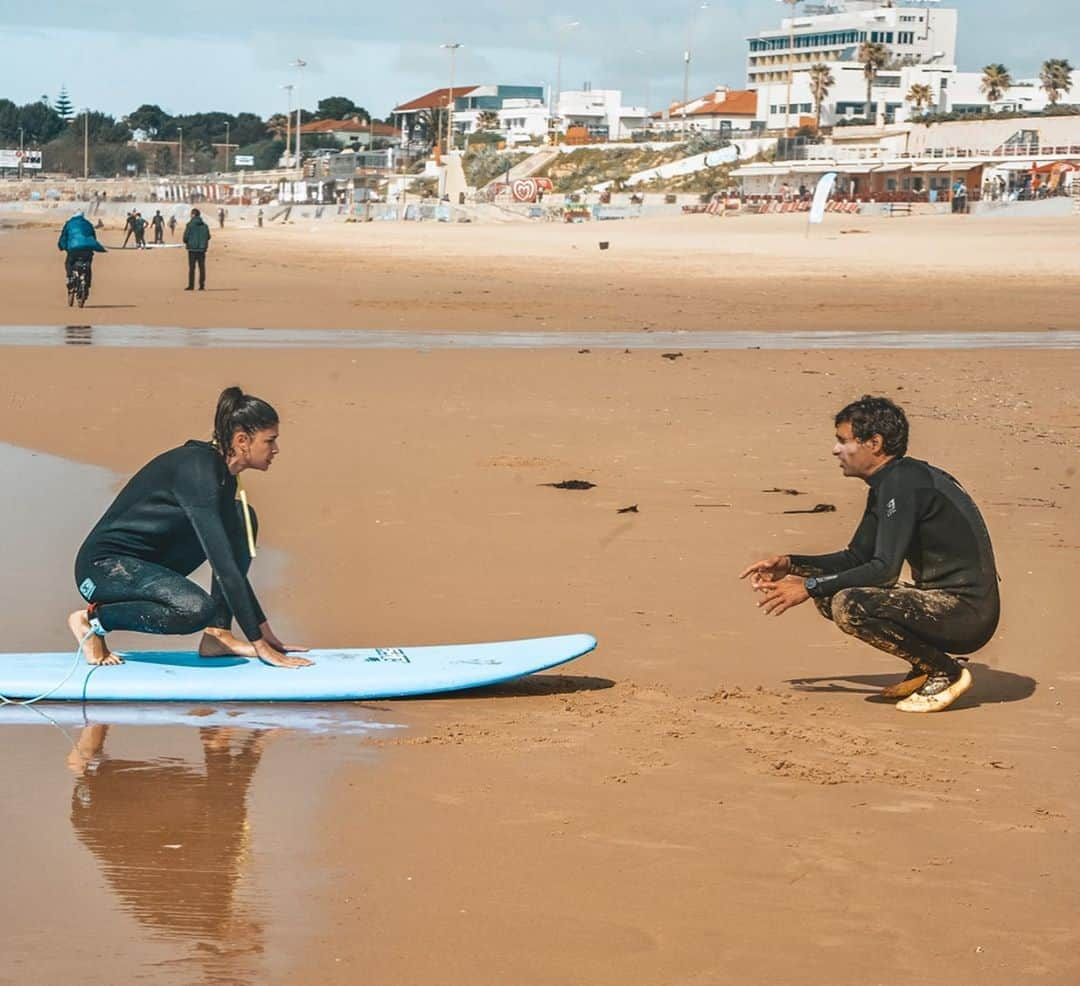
(712, 795)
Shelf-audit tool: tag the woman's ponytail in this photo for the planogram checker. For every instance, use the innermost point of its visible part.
(239, 411)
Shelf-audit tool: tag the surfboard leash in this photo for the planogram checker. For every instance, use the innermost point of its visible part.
(4, 700)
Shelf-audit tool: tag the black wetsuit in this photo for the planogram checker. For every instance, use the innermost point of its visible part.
(916, 513)
(176, 512)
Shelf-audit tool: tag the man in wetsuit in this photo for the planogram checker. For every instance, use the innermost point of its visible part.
(916, 513)
(158, 222)
(80, 242)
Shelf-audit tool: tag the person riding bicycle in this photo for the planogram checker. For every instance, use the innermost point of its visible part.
(81, 243)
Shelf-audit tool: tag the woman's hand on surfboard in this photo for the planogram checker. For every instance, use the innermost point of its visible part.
(275, 658)
(274, 641)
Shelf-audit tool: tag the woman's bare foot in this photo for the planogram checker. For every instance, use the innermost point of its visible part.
(93, 646)
(220, 643)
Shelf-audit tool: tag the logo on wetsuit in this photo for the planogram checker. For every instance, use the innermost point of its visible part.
(890, 508)
(87, 589)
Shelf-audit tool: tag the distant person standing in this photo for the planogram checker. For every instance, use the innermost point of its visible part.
(260, 218)
(221, 218)
(158, 222)
(197, 241)
(129, 230)
(138, 224)
(172, 226)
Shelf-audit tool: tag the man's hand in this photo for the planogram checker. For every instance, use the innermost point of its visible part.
(768, 570)
(272, 639)
(779, 597)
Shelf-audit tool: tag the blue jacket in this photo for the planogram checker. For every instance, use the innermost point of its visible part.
(78, 234)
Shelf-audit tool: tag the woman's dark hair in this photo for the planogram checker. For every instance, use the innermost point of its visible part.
(237, 410)
(871, 416)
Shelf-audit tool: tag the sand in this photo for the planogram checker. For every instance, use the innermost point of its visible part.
(712, 796)
(694, 272)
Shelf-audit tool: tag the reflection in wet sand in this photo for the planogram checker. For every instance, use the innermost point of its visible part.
(155, 336)
(173, 841)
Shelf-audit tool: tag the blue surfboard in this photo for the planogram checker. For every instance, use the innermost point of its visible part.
(336, 675)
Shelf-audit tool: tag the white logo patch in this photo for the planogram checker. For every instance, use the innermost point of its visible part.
(890, 508)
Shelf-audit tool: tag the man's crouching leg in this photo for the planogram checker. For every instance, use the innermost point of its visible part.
(891, 620)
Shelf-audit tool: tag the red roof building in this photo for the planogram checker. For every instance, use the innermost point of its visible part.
(737, 107)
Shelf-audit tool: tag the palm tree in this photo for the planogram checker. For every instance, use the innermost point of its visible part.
(874, 56)
(920, 95)
(1056, 78)
(995, 81)
(487, 120)
(821, 81)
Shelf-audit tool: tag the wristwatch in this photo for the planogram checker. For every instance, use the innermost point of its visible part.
(810, 584)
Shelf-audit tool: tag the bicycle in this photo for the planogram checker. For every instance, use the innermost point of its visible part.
(78, 286)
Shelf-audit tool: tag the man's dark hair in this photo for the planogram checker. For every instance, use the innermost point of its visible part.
(871, 416)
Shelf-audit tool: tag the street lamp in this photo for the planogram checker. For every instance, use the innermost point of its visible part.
(559, 38)
(20, 153)
(452, 47)
(86, 144)
(288, 124)
(298, 64)
(226, 146)
(180, 153)
(686, 64)
(648, 89)
(791, 65)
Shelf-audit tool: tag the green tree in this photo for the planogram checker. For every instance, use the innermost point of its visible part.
(487, 120)
(874, 57)
(1056, 78)
(40, 123)
(920, 95)
(821, 82)
(995, 81)
(431, 124)
(340, 108)
(63, 105)
(149, 118)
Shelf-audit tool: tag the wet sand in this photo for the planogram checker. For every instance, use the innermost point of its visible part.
(711, 796)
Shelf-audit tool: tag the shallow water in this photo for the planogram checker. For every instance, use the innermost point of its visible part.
(178, 854)
(142, 336)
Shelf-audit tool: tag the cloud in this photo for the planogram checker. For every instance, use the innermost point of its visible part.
(206, 56)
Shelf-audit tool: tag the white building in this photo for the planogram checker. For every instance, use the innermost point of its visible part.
(832, 32)
(600, 111)
(921, 42)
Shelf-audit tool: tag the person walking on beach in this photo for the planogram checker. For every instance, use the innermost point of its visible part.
(175, 513)
(916, 513)
(221, 218)
(139, 225)
(129, 229)
(259, 218)
(172, 226)
(197, 241)
(158, 222)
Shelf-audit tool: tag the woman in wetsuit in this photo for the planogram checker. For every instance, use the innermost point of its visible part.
(176, 512)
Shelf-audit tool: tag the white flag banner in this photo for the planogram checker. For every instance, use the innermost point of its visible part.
(821, 196)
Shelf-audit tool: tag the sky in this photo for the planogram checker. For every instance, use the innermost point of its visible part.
(204, 55)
